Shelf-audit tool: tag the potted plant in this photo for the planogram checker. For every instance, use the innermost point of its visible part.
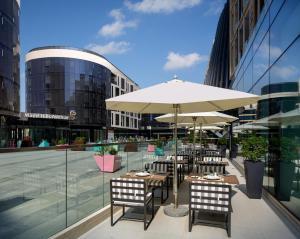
(107, 159)
(253, 148)
(284, 168)
(61, 143)
(159, 150)
(222, 145)
(79, 142)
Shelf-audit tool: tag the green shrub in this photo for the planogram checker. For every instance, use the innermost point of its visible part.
(254, 147)
(62, 141)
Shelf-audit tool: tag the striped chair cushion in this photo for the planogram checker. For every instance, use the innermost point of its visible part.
(154, 183)
(210, 196)
(212, 158)
(129, 190)
(211, 169)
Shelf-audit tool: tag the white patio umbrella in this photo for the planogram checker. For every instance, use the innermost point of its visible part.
(177, 96)
(199, 118)
(290, 117)
(248, 126)
(207, 127)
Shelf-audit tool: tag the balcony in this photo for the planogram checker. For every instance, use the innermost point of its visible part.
(50, 191)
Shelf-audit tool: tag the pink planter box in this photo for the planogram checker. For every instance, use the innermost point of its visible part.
(108, 163)
(151, 148)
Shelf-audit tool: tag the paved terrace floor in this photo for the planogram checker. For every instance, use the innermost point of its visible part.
(251, 218)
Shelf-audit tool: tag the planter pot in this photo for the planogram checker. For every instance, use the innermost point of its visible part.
(150, 148)
(78, 148)
(234, 150)
(284, 173)
(131, 147)
(254, 172)
(159, 152)
(61, 147)
(108, 163)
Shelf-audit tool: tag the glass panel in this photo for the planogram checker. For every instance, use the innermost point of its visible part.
(32, 186)
(84, 184)
(261, 59)
(284, 79)
(284, 29)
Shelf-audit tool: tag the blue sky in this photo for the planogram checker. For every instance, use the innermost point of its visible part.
(149, 40)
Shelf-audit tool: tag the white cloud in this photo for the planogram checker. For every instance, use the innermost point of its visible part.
(110, 48)
(161, 6)
(285, 72)
(177, 61)
(264, 48)
(215, 7)
(117, 27)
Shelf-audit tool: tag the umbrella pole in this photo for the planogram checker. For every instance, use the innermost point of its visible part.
(175, 210)
(201, 141)
(175, 161)
(194, 145)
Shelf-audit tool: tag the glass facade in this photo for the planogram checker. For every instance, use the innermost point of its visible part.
(9, 57)
(270, 67)
(59, 85)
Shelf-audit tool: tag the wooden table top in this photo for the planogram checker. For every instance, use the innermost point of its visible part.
(229, 179)
(152, 176)
(212, 163)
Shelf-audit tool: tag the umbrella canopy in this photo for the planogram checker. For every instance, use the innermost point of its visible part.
(208, 127)
(198, 118)
(292, 117)
(189, 97)
(266, 121)
(249, 126)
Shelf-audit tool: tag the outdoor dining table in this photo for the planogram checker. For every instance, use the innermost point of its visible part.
(181, 164)
(152, 176)
(161, 178)
(229, 179)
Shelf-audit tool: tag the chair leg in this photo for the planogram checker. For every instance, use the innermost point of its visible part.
(162, 194)
(229, 224)
(145, 217)
(111, 215)
(152, 206)
(190, 221)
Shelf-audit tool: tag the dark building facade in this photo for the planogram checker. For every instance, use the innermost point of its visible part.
(264, 60)
(217, 73)
(9, 67)
(60, 80)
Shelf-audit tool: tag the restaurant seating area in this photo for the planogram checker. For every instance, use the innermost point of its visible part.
(209, 185)
(218, 208)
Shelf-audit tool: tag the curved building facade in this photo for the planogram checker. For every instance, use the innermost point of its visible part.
(9, 58)
(61, 79)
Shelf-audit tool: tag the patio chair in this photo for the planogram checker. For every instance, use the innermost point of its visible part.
(133, 193)
(215, 158)
(214, 168)
(155, 184)
(212, 198)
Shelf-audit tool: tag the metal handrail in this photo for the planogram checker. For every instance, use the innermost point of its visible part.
(27, 149)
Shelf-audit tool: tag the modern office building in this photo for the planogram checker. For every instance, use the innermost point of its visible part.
(9, 65)
(60, 80)
(217, 73)
(264, 55)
